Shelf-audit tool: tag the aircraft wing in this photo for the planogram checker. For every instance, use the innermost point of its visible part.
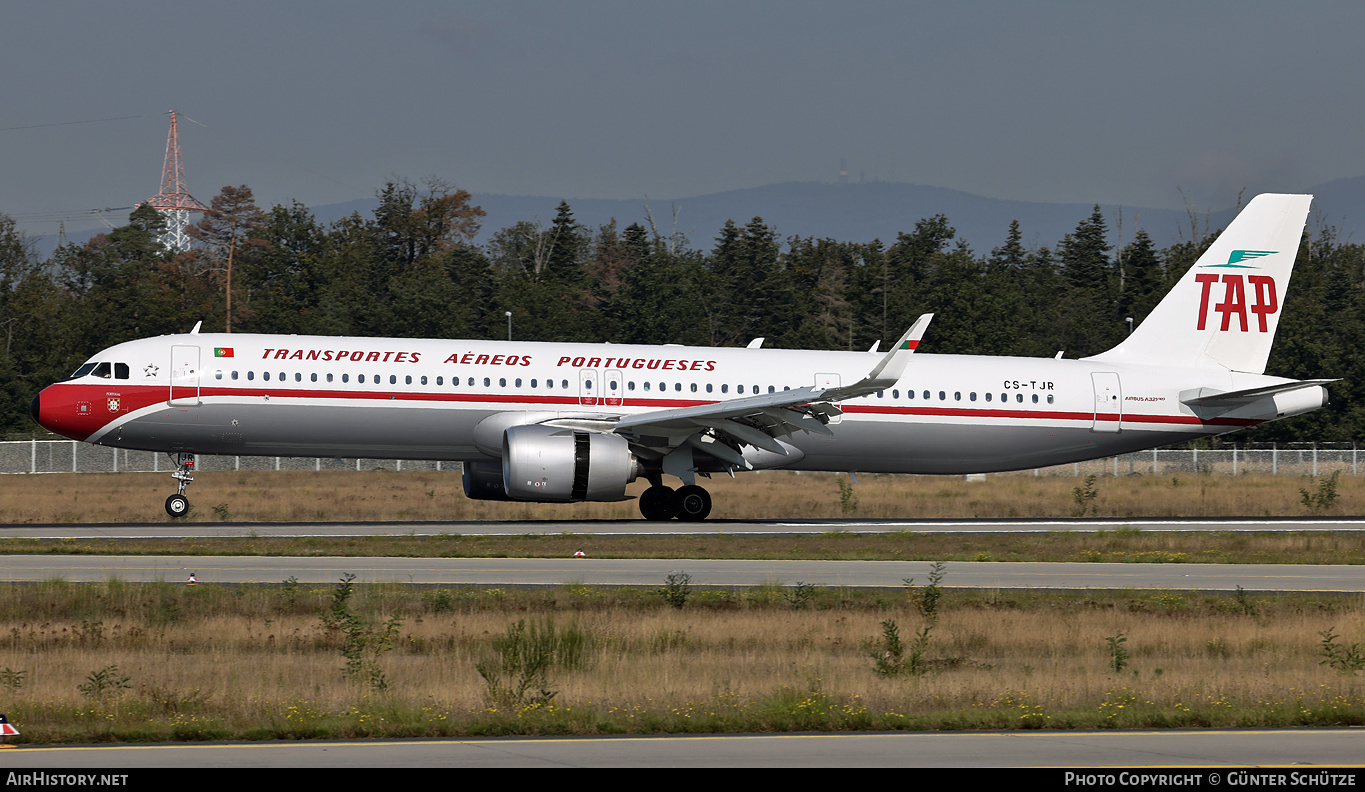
(723, 428)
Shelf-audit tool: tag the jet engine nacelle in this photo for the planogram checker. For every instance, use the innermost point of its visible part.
(547, 463)
(483, 481)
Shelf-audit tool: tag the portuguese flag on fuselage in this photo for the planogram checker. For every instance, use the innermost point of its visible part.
(222, 351)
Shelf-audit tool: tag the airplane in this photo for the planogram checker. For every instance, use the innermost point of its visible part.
(565, 422)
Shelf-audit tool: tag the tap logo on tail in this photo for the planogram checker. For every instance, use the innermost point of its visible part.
(1264, 299)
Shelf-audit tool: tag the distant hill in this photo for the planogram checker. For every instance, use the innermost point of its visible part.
(847, 212)
(866, 211)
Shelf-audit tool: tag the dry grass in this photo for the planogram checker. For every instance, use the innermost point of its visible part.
(216, 663)
(386, 495)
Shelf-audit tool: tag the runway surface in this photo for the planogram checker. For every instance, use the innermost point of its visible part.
(1302, 751)
(171, 530)
(703, 572)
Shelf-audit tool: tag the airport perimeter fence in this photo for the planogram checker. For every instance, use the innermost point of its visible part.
(1293, 459)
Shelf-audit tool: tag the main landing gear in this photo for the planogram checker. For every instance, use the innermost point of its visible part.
(178, 505)
(689, 504)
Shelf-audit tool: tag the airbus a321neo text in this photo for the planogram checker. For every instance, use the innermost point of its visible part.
(561, 422)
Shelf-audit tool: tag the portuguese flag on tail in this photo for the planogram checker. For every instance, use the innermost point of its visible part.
(222, 351)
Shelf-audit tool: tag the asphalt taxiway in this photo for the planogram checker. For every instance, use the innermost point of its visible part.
(175, 530)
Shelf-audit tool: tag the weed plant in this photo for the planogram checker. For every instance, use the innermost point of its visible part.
(1323, 495)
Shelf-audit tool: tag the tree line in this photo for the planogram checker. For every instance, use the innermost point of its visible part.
(412, 269)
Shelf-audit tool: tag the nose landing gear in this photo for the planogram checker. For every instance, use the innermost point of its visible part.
(178, 505)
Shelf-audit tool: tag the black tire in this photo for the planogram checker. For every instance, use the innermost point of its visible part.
(656, 504)
(177, 505)
(692, 503)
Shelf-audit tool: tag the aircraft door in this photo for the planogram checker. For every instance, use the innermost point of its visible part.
(612, 389)
(1108, 402)
(184, 375)
(829, 381)
(587, 387)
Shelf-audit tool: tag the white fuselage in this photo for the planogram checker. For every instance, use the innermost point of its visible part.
(425, 399)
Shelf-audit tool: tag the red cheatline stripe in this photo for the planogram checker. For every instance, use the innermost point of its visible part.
(142, 396)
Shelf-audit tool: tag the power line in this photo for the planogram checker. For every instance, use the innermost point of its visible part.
(69, 123)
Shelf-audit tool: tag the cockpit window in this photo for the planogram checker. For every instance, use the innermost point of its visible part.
(83, 370)
(120, 371)
(102, 370)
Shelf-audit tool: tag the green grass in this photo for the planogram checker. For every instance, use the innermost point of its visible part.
(1119, 546)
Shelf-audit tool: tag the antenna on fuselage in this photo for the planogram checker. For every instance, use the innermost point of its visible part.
(197, 325)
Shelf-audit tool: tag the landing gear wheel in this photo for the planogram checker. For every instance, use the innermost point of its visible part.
(177, 505)
(692, 503)
(656, 503)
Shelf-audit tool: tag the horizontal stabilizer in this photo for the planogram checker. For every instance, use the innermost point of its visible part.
(1232, 399)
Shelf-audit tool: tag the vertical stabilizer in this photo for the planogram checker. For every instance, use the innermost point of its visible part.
(1223, 313)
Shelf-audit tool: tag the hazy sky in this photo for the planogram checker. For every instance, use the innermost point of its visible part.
(323, 101)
